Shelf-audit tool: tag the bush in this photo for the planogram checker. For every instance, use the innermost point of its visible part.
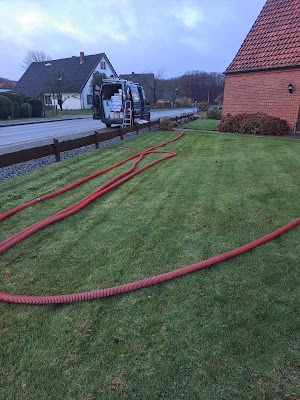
(6, 107)
(37, 107)
(166, 124)
(13, 96)
(16, 110)
(162, 104)
(257, 124)
(214, 114)
(183, 102)
(19, 98)
(203, 105)
(25, 110)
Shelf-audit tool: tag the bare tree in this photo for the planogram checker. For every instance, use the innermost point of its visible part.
(34, 56)
(154, 84)
(60, 88)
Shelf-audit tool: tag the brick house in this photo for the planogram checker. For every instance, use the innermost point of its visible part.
(264, 76)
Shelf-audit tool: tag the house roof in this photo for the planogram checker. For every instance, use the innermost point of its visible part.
(40, 75)
(273, 41)
(143, 79)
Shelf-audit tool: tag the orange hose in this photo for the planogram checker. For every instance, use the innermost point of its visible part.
(118, 180)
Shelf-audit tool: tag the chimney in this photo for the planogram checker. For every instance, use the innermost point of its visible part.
(81, 57)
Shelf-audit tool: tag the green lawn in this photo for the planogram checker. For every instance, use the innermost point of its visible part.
(63, 113)
(203, 124)
(228, 332)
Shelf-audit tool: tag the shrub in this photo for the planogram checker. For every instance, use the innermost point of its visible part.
(166, 124)
(162, 104)
(183, 102)
(214, 114)
(13, 96)
(6, 107)
(257, 123)
(226, 124)
(26, 99)
(19, 98)
(9, 95)
(203, 105)
(25, 110)
(16, 110)
(37, 107)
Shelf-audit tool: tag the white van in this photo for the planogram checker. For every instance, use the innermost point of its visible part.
(120, 102)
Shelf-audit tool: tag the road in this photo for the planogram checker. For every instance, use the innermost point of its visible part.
(13, 138)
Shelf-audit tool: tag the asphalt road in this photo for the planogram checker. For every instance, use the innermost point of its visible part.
(13, 138)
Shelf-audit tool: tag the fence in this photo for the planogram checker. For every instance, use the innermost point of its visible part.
(58, 147)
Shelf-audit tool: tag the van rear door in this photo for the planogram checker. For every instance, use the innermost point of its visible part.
(96, 103)
(136, 100)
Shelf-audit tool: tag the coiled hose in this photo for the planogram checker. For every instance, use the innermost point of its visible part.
(118, 180)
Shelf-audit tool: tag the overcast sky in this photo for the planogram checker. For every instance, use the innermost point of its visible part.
(136, 35)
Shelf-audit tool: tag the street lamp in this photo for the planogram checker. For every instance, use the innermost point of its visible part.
(176, 93)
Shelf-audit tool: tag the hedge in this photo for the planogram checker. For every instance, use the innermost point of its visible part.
(6, 107)
(257, 123)
(26, 110)
(37, 107)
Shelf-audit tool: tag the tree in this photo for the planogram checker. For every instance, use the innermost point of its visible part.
(97, 79)
(7, 84)
(34, 56)
(60, 88)
(154, 84)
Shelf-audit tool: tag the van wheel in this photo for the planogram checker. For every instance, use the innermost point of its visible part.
(108, 125)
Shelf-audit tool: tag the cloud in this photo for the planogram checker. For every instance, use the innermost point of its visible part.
(136, 36)
(190, 16)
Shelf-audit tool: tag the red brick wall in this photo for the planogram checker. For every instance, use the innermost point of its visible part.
(264, 92)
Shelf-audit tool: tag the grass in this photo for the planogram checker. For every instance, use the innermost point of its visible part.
(63, 113)
(203, 124)
(228, 332)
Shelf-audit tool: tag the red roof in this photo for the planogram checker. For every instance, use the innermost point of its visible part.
(273, 41)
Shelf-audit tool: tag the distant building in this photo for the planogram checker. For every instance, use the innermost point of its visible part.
(68, 77)
(264, 76)
(146, 80)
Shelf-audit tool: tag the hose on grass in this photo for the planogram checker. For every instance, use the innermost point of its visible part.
(113, 183)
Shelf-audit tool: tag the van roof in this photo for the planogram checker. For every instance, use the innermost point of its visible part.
(119, 80)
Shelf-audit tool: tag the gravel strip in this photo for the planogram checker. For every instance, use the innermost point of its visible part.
(29, 166)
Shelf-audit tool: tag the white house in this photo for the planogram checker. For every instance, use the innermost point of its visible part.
(67, 78)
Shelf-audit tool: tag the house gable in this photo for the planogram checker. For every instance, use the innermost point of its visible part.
(267, 63)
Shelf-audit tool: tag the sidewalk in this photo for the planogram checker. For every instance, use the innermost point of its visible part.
(28, 121)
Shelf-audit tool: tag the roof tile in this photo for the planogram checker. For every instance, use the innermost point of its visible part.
(273, 41)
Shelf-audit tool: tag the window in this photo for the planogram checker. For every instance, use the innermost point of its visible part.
(89, 99)
(103, 65)
(47, 99)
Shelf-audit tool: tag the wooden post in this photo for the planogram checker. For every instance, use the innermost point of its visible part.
(96, 139)
(120, 133)
(136, 128)
(56, 150)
